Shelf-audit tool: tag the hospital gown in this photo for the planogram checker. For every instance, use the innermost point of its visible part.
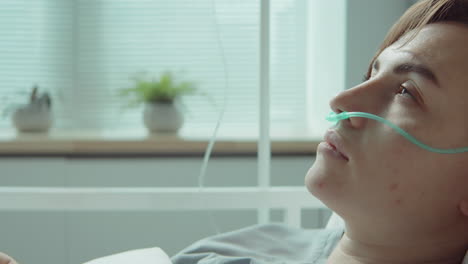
(263, 244)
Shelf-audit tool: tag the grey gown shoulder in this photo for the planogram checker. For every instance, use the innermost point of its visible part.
(262, 244)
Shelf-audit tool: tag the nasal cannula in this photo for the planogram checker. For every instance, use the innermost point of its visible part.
(334, 117)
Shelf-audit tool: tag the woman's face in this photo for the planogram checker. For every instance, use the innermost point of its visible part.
(421, 86)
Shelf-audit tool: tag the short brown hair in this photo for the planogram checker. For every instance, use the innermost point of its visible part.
(420, 14)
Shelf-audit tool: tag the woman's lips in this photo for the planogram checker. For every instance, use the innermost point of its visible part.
(334, 140)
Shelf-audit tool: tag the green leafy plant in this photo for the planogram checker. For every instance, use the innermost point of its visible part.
(157, 90)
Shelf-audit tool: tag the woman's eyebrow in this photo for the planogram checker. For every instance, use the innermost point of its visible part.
(420, 69)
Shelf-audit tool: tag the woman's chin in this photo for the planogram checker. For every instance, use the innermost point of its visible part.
(322, 182)
(316, 180)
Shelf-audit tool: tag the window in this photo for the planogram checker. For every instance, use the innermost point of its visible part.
(84, 51)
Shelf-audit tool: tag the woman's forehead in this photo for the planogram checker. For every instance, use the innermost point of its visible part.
(440, 46)
(437, 41)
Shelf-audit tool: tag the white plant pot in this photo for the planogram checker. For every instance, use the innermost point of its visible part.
(163, 117)
(32, 118)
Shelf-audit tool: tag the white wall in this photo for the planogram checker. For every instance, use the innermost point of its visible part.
(367, 24)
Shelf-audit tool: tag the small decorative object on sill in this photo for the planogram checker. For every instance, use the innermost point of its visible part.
(163, 116)
(35, 116)
(162, 111)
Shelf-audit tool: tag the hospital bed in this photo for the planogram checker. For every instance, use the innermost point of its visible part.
(292, 200)
(157, 255)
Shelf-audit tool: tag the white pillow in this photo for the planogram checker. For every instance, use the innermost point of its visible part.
(335, 221)
(141, 256)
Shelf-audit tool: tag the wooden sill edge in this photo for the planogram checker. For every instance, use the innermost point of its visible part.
(168, 145)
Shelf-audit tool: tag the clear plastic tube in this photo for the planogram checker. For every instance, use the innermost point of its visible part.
(333, 117)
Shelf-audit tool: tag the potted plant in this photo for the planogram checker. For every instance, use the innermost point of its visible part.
(160, 96)
(35, 115)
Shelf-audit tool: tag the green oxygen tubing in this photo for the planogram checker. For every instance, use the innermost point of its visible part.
(334, 117)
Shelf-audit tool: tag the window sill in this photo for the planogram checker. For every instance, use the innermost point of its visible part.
(137, 143)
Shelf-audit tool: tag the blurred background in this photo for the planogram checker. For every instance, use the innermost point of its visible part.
(82, 54)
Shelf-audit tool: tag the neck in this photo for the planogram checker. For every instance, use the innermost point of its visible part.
(355, 250)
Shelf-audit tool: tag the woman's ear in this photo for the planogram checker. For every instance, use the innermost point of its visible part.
(464, 207)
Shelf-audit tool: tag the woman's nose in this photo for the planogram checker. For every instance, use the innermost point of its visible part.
(361, 98)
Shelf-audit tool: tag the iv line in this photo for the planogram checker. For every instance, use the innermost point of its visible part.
(209, 148)
(333, 117)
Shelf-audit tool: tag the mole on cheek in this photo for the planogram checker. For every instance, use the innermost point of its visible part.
(398, 201)
(393, 187)
(320, 185)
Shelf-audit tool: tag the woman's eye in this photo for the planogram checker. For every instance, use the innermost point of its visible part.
(402, 90)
